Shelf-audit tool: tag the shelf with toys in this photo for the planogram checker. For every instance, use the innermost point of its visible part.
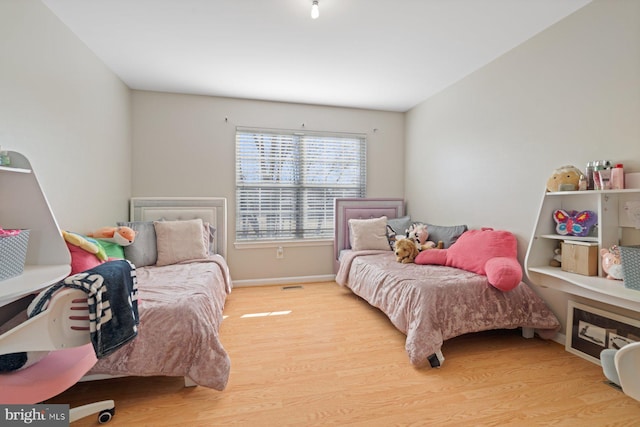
(608, 210)
(24, 206)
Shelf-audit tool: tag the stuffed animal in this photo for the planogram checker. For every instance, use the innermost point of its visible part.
(85, 243)
(611, 263)
(493, 253)
(565, 178)
(419, 234)
(556, 261)
(574, 223)
(405, 250)
(122, 235)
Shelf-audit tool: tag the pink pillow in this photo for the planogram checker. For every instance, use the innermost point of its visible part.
(493, 253)
(81, 260)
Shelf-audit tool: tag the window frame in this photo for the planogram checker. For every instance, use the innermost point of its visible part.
(301, 193)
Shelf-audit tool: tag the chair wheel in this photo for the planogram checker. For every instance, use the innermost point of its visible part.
(106, 415)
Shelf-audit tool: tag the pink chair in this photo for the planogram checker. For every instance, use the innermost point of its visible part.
(62, 329)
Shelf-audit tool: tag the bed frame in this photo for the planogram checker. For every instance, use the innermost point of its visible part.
(358, 208)
(210, 209)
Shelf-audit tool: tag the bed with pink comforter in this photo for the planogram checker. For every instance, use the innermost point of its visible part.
(431, 304)
(180, 308)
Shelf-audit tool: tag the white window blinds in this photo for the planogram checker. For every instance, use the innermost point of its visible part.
(286, 182)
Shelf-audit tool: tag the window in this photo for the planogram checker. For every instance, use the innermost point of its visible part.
(286, 182)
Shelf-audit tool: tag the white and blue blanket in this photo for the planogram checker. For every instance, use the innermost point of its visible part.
(112, 297)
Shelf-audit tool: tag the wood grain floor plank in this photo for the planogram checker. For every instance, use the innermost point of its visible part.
(335, 360)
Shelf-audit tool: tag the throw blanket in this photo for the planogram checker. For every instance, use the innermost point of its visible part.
(112, 296)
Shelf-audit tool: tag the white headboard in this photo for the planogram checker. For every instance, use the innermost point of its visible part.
(210, 209)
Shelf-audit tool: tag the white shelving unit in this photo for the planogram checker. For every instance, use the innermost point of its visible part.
(23, 205)
(612, 218)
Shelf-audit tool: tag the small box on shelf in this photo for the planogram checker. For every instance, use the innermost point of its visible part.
(13, 251)
(580, 257)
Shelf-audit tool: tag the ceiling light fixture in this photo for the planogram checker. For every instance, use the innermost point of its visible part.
(315, 10)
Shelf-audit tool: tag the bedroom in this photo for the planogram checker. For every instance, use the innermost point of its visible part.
(567, 95)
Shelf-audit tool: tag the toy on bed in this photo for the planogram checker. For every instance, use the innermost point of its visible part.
(419, 234)
(493, 253)
(565, 178)
(405, 250)
(122, 235)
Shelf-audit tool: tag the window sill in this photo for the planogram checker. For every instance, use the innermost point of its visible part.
(282, 243)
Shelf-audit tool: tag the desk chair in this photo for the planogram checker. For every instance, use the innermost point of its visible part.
(63, 329)
(622, 368)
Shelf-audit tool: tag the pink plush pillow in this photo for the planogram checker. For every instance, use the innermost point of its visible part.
(81, 260)
(493, 253)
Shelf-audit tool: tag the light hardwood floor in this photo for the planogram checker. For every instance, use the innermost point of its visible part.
(334, 360)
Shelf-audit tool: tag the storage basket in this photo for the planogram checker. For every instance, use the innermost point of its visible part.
(630, 260)
(13, 251)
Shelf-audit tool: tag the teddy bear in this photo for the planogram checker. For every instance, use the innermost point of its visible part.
(565, 178)
(611, 263)
(405, 250)
(419, 234)
(492, 253)
(121, 235)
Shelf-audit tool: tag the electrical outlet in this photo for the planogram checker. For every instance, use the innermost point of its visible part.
(280, 252)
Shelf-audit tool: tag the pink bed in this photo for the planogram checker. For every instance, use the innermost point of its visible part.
(429, 303)
(180, 309)
(180, 305)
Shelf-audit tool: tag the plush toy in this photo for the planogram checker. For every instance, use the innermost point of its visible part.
(85, 243)
(574, 223)
(556, 261)
(405, 250)
(611, 263)
(493, 253)
(419, 234)
(565, 178)
(122, 235)
(85, 253)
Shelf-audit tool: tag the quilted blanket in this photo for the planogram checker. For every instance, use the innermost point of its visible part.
(431, 304)
(180, 310)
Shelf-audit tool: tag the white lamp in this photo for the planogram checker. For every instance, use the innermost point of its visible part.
(315, 10)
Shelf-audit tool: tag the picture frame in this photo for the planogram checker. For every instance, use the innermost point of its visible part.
(591, 330)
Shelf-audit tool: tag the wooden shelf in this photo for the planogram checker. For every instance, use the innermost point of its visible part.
(609, 206)
(592, 287)
(34, 278)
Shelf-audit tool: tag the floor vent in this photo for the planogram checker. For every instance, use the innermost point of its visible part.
(288, 288)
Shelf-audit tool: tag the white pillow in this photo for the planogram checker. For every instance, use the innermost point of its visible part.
(179, 241)
(368, 234)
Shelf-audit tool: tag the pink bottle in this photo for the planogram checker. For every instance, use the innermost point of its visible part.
(617, 177)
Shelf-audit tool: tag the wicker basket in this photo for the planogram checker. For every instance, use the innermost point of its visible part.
(630, 260)
(13, 251)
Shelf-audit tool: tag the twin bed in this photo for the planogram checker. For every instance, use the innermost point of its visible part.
(429, 303)
(180, 304)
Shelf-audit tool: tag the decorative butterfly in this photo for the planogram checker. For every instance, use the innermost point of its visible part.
(574, 223)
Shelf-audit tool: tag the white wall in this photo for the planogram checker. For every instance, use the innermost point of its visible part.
(480, 152)
(184, 145)
(68, 113)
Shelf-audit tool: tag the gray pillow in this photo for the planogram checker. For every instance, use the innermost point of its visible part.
(448, 234)
(143, 251)
(397, 227)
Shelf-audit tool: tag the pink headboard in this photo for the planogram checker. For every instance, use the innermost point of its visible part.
(360, 208)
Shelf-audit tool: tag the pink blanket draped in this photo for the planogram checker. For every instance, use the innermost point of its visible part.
(431, 304)
(180, 309)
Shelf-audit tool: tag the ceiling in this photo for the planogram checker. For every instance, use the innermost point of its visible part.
(373, 54)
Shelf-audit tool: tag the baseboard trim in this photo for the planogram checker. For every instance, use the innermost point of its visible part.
(283, 280)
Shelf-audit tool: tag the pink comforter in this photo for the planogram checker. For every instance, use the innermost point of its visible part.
(431, 304)
(180, 310)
